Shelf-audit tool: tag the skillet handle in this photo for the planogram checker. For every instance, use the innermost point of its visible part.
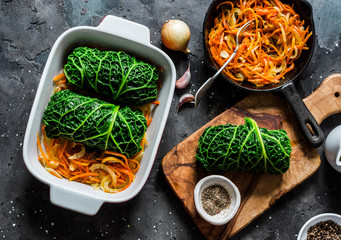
(303, 116)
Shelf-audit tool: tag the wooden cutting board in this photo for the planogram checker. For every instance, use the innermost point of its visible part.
(258, 191)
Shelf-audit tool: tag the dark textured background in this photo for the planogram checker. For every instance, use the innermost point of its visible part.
(28, 30)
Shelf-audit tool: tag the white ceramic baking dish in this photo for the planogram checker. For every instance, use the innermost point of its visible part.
(116, 34)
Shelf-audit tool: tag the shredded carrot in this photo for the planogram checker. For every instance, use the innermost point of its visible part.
(109, 171)
(116, 154)
(147, 110)
(149, 121)
(53, 172)
(59, 77)
(270, 45)
(82, 175)
(61, 82)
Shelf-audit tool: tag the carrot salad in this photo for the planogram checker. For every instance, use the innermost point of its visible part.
(108, 171)
(270, 45)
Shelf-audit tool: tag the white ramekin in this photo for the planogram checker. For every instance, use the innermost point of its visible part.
(226, 215)
(314, 220)
(116, 34)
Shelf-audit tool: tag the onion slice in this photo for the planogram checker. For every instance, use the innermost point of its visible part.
(106, 168)
(105, 184)
(79, 154)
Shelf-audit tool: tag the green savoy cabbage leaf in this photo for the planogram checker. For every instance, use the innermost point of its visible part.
(117, 75)
(95, 123)
(244, 147)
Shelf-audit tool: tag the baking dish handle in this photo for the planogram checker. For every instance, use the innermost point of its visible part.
(125, 29)
(74, 201)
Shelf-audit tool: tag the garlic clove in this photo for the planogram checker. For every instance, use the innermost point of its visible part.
(186, 98)
(184, 80)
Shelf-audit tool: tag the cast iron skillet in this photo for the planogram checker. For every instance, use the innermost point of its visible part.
(311, 130)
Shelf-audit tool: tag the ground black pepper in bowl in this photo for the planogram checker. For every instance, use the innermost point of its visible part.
(214, 199)
(324, 230)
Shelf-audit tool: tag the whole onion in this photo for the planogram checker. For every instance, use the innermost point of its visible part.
(175, 35)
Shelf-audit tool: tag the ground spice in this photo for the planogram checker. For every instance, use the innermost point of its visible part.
(214, 199)
(324, 230)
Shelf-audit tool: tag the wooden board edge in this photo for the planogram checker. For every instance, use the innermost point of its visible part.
(278, 196)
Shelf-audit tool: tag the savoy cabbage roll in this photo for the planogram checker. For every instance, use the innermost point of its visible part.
(244, 147)
(117, 75)
(95, 123)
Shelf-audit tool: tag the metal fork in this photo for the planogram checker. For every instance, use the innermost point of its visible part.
(202, 90)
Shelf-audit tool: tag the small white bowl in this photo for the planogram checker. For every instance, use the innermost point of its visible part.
(314, 220)
(332, 148)
(227, 214)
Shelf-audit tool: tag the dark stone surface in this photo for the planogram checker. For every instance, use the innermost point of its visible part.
(28, 30)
